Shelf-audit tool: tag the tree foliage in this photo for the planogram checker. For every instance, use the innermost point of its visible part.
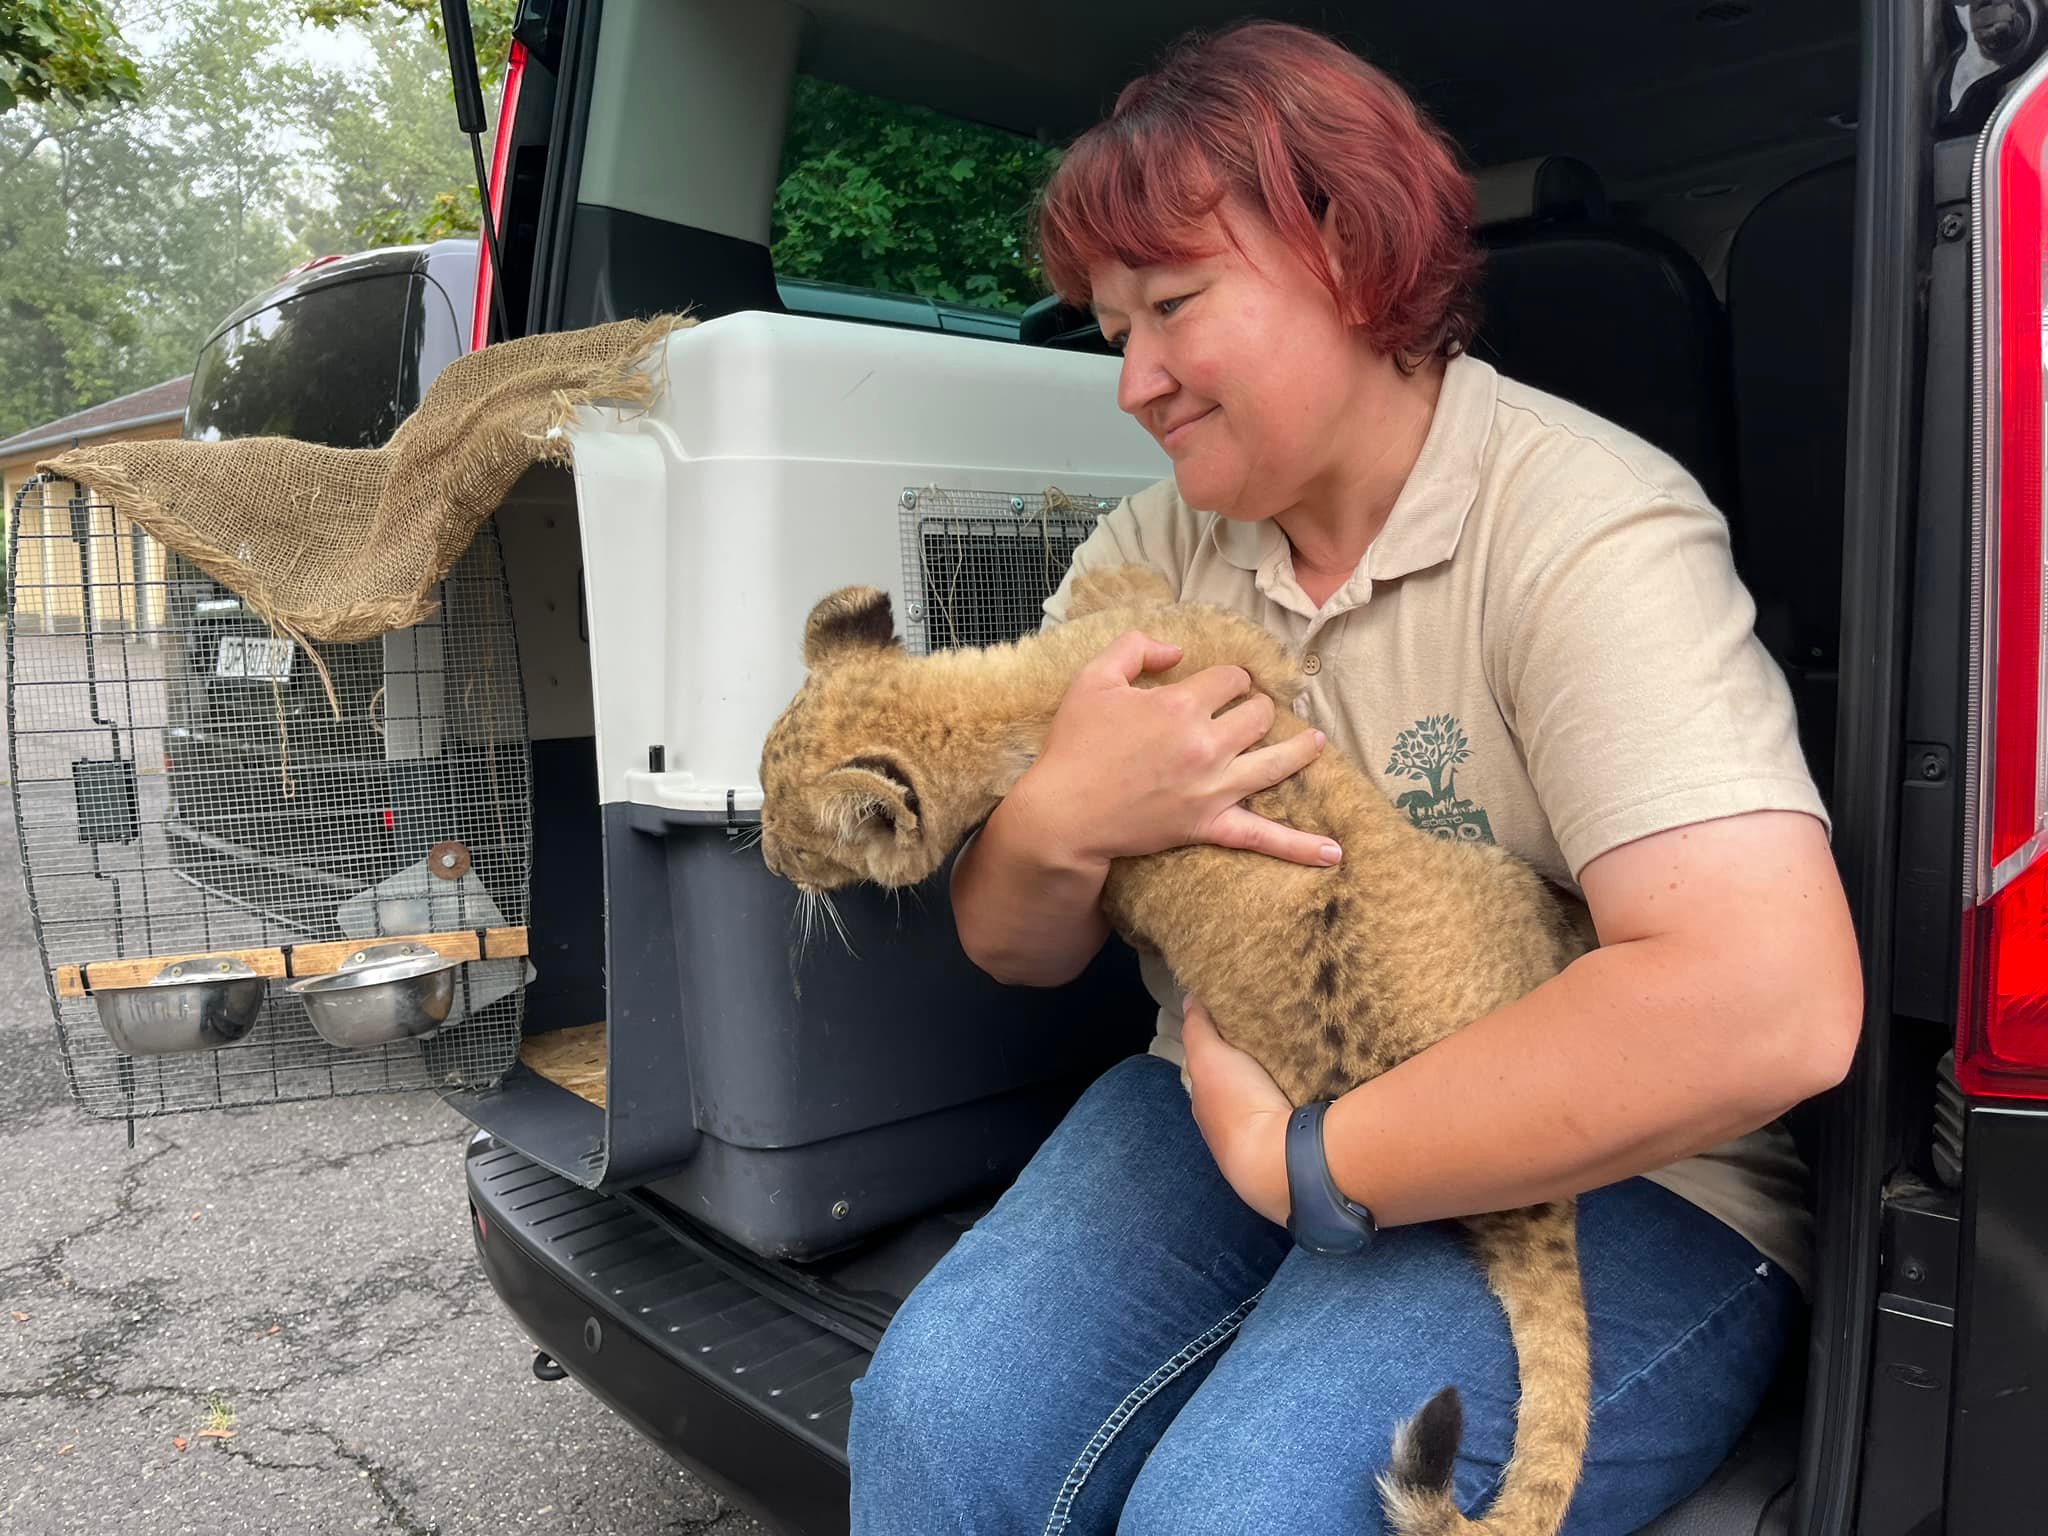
(875, 194)
(67, 51)
(490, 25)
(390, 159)
(148, 197)
(129, 231)
(408, 174)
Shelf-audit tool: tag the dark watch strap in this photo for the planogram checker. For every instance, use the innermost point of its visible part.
(1319, 1217)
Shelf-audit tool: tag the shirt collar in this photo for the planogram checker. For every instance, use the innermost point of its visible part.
(1429, 515)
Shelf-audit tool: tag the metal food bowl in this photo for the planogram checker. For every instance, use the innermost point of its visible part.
(192, 1005)
(383, 992)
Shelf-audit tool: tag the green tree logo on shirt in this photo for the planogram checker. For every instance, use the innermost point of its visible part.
(1431, 751)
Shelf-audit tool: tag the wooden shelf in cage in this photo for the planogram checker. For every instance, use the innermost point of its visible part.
(570, 1058)
(290, 960)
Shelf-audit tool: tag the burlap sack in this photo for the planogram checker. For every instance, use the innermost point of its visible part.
(346, 543)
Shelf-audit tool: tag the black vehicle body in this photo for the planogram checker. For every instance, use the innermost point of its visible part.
(1826, 400)
(337, 353)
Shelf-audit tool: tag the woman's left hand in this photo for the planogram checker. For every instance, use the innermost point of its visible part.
(1242, 1113)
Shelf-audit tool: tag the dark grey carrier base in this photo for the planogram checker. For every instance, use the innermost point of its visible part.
(803, 1202)
(797, 1092)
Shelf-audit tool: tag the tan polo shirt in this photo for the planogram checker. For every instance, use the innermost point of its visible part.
(1547, 647)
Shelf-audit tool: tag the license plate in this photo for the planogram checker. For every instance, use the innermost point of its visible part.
(254, 656)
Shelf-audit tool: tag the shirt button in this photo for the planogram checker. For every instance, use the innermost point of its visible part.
(1311, 663)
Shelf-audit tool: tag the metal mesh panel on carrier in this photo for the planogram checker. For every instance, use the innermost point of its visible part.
(978, 565)
(253, 881)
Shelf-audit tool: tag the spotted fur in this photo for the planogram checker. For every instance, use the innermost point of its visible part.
(884, 762)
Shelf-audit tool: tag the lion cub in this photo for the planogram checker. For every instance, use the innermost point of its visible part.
(1328, 977)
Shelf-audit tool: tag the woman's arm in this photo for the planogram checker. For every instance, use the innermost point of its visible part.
(1726, 990)
(1029, 912)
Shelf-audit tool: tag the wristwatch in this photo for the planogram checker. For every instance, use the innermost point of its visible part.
(1319, 1218)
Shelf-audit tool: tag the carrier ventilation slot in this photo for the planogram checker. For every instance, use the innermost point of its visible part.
(978, 565)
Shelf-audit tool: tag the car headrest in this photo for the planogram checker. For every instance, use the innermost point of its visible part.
(1548, 187)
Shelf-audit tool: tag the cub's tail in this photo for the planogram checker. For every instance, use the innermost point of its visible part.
(1416, 1487)
(1531, 1259)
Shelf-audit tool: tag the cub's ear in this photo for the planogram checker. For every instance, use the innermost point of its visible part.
(851, 617)
(866, 793)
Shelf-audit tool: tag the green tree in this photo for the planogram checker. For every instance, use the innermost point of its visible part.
(402, 171)
(67, 51)
(490, 26)
(875, 194)
(391, 159)
(129, 231)
(71, 336)
(220, 91)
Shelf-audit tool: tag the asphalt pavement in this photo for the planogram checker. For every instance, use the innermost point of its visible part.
(271, 1320)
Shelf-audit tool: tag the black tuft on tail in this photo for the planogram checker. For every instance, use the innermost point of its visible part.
(1426, 1455)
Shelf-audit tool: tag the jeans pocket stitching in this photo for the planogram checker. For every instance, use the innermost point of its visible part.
(1099, 1443)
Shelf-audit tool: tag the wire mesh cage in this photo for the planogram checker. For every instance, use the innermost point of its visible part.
(217, 821)
(978, 565)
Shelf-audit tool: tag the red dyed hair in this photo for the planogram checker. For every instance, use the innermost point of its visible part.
(1294, 126)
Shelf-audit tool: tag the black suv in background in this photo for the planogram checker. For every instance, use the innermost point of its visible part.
(339, 352)
(1798, 247)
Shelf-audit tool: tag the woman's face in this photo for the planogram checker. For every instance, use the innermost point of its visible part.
(1239, 364)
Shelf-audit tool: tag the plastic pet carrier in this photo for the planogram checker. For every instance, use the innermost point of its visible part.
(259, 872)
(793, 1091)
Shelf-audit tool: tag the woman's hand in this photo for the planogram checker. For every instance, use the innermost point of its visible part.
(1242, 1114)
(1129, 770)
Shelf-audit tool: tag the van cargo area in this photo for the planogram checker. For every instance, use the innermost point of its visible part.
(778, 1132)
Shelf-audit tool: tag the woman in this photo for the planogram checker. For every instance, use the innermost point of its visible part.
(1530, 619)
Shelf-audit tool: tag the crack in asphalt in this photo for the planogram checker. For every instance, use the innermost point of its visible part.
(311, 1161)
(383, 1481)
(47, 1264)
(84, 1374)
(462, 1294)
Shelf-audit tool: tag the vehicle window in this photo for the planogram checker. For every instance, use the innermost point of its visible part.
(899, 199)
(324, 367)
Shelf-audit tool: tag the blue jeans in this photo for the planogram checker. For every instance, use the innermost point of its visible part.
(1122, 1345)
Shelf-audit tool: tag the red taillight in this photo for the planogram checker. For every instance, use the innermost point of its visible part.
(2002, 1038)
(501, 149)
(2002, 1006)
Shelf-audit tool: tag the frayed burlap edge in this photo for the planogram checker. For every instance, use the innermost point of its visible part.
(471, 478)
(496, 455)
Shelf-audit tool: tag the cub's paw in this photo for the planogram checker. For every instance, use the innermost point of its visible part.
(1118, 586)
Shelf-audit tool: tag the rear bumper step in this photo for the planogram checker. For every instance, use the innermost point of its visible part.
(749, 1395)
